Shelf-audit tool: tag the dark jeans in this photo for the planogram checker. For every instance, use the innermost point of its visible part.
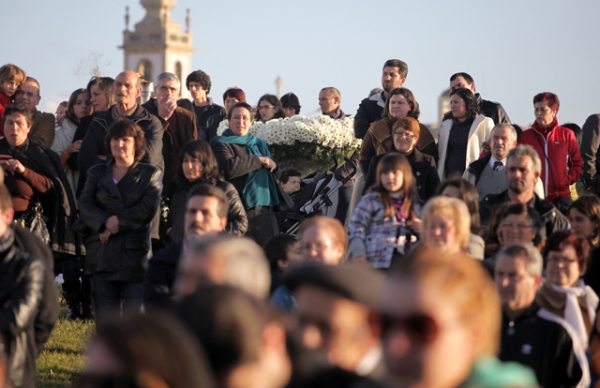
(112, 295)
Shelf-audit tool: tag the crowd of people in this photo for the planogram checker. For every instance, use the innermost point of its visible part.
(465, 258)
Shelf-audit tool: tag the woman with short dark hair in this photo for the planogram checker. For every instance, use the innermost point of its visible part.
(464, 136)
(119, 200)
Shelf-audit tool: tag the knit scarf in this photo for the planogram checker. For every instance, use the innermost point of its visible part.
(260, 188)
(398, 211)
(572, 310)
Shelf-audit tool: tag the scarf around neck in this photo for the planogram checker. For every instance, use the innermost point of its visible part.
(573, 313)
(260, 188)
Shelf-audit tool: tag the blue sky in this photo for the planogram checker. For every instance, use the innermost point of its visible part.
(513, 49)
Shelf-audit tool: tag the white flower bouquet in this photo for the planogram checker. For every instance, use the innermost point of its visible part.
(308, 144)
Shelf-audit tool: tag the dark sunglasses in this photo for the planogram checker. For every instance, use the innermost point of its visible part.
(420, 328)
(87, 380)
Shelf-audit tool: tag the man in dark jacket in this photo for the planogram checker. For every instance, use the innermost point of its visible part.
(206, 213)
(127, 89)
(590, 143)
(370, 109)
(523, 168)
(528, 336)
(22, 277)
(490, 109)
(179, 124)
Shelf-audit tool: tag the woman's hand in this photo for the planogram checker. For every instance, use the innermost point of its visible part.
(361, 260)
(104, 236)
(416, 225)
(12, 166)
(112, 224)
(268, 163)
(73, 148)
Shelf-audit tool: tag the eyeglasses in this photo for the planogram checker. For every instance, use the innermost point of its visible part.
(420, 328)
(318, 246)
(563, 259)
(515, 226)
(404, 135)
(28, 94)
(265, 107)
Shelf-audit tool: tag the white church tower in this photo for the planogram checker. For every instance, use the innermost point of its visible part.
(158, 44)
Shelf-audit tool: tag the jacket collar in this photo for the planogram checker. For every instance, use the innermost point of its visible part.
(379, 98)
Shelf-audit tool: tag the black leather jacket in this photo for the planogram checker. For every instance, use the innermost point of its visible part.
(134, 200)
(21, 287)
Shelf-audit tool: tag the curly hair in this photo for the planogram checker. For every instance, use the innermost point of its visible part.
(201, 77)
(471, 103)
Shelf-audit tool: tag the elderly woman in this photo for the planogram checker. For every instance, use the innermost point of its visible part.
(401, 103)
(268, 108)
(446, 225)
(231, 97)
(462, 137)
(118, 203)
(245, 161)
(101, 96)
(199, 166)
(79, 106)
(444, 331)
(555, 143)
(564, 294)
(407, 132)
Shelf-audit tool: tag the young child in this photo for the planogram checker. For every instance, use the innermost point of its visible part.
(289, 180)
(386, 220)
(11, 77)
(281, 251)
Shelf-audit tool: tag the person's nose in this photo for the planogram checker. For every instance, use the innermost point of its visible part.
(311, 337)
(397, 343)
(504, 281)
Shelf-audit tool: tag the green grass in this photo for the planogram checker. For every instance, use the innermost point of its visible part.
(63, 353)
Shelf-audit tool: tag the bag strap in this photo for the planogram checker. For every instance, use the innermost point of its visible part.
(548, 163)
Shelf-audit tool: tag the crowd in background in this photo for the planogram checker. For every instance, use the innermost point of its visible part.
(466, 257)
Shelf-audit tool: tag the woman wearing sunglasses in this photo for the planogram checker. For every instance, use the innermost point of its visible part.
(444, 330)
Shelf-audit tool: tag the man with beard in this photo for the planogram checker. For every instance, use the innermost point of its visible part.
(206, 213)
(488, 173)
(370, 109)
(523, 169)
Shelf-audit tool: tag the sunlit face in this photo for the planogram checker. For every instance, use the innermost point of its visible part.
(582, 224)
(123, 148)
(229, 102)
(502, 142)
(82, 106)
(28, 95)
(422, 332)
(166, 89)
(10, 87)
(399, 107)
(16, 129)
(328, 102)
(240, 122)
(404, 141)
(520, 174)
(98, 99)
(266, 110)
(441, 233)
(390, 78)
(543, 114)
(125, 88)
(515, 285)
(192, 168)
(60, 113)
(458, 107)
(319, 244)
(459, 82)
(292, 185)
(562, 268)
(516, 229)
(202, 216)
(336, 325)
(392, 181)
(197, 91)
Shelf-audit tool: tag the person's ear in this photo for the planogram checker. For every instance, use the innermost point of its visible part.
(537, 280)
(223, 223)
(8, 215)
(273, 337)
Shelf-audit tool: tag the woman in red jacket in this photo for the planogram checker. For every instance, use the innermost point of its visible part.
(557, 148)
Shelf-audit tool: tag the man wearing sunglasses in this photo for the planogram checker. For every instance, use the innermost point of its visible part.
(335, 316)
(528, 336)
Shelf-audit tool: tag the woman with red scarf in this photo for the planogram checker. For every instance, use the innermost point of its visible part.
(557, 148)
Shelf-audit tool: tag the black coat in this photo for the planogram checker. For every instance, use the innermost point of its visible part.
(423, 168)
(369, 111)
(58, 204)
(21, 288)
(237, 220)
(49, 308)
(542, 345)
(134, 200)
(158, 287)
